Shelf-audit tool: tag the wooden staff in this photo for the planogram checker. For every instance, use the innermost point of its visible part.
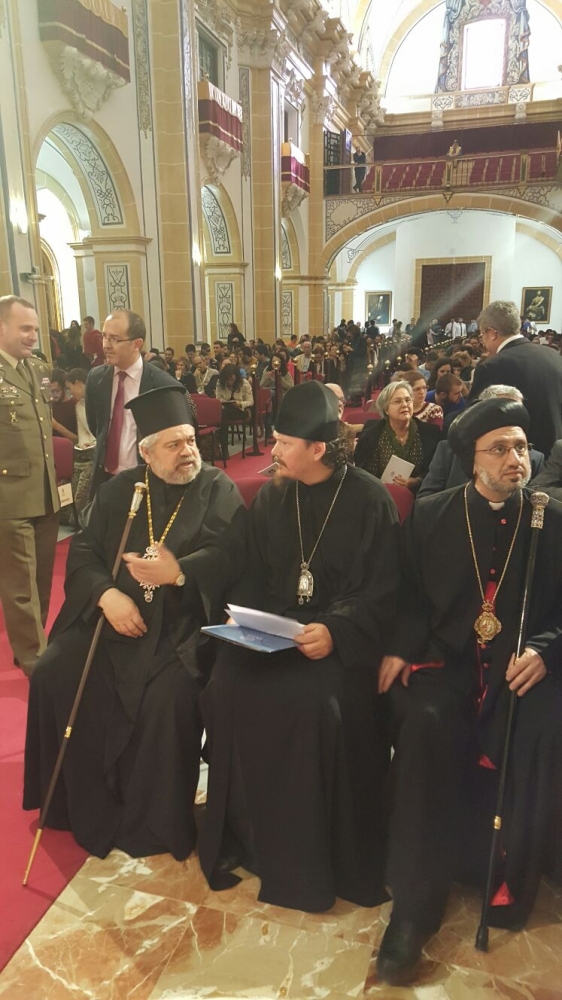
(136, 501)
(539, 502)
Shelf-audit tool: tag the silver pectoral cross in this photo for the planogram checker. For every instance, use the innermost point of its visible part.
(305, 586)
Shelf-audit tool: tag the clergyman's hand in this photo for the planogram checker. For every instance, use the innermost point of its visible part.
(526, 671)
(391, 668)
(122, 613)
(165, 569)
(315, 641)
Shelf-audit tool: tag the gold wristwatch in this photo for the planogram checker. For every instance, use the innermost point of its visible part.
(180, 580)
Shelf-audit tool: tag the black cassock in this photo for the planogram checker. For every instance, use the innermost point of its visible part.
(449, 723)
(298, 747)
(132, 763)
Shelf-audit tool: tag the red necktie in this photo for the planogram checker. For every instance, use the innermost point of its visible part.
(116, 427)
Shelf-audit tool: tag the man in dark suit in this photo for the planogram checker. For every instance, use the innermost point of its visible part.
(112, 385)
(514, 361)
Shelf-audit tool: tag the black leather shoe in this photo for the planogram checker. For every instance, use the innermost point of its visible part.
(400, 952)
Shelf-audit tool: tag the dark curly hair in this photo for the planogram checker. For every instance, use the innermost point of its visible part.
(226, 373)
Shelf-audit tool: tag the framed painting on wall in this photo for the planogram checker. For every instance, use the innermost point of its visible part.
(378, 307)
(535, 304)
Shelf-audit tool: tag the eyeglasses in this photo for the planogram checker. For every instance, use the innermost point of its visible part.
(114, 340)
(501, 450)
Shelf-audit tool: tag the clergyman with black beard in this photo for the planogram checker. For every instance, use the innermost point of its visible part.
(448, 673)
(132, 766)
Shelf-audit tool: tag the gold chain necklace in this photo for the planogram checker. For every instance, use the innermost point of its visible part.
(305, 586)
(153, 547)
(487, 626)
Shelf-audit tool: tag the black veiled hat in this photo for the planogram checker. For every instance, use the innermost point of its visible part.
(481, 418)
(309, 411)
(158, 409)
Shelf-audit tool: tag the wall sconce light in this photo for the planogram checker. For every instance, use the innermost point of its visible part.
(196, 255)
(278, 273)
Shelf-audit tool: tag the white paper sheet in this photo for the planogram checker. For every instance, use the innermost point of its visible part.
(397, 467)
(262, 621)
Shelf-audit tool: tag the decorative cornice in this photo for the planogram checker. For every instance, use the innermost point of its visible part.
(323, 107)
(263, 48)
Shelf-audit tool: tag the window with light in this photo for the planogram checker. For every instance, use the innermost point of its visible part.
(483, 54)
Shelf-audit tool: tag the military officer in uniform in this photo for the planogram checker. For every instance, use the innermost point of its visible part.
(29, 500)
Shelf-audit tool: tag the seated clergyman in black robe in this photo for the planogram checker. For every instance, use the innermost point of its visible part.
(297, 749)
(131, 768)
(449, 679)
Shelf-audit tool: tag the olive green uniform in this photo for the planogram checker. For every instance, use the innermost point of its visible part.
(29, 505)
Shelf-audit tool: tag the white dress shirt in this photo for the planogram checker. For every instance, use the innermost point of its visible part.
(131, 386)
(508, 340)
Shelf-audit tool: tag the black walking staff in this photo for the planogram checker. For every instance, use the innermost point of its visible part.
(539, 502)
(136, 501)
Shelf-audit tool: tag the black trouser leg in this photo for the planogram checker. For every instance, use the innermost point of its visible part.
(432, 726)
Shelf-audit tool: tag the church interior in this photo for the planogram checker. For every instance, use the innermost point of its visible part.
(275, 165)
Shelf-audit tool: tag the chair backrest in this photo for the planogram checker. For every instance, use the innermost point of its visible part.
(403, 498)
(249, 487)
(63, 456)
(436, 421)
(209, 410)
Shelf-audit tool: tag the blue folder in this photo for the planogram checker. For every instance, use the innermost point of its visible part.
(260, 642)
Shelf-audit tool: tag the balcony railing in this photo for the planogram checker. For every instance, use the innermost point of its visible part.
(448, 173)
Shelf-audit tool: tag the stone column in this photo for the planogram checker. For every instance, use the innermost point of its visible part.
(266, 199)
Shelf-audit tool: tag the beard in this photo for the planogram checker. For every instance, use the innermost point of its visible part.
(177, 477)
(503, 486)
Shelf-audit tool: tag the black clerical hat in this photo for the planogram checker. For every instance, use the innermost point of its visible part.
(481, 418)
(158, 409)
(309, 411)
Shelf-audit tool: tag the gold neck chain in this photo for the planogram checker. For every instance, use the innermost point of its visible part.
(151, 538)
(487, 625)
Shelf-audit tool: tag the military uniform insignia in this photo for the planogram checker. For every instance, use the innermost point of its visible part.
(45, 381)
(9, 392)
(13, 417)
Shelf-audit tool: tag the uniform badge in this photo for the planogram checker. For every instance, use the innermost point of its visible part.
(13, 417)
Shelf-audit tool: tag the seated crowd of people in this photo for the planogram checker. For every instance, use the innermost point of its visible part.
(401, 674)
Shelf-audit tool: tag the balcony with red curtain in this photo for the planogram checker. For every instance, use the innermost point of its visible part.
(295, 176)
(220, 128)
(97, 29)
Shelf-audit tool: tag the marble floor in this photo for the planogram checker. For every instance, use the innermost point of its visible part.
(151, 929)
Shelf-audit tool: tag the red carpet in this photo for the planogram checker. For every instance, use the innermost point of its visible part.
(58, 857)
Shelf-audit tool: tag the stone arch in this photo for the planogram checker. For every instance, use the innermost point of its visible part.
(221, 233)
(484, 200)
(99, 170)
(541, 237)
(290, 253)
